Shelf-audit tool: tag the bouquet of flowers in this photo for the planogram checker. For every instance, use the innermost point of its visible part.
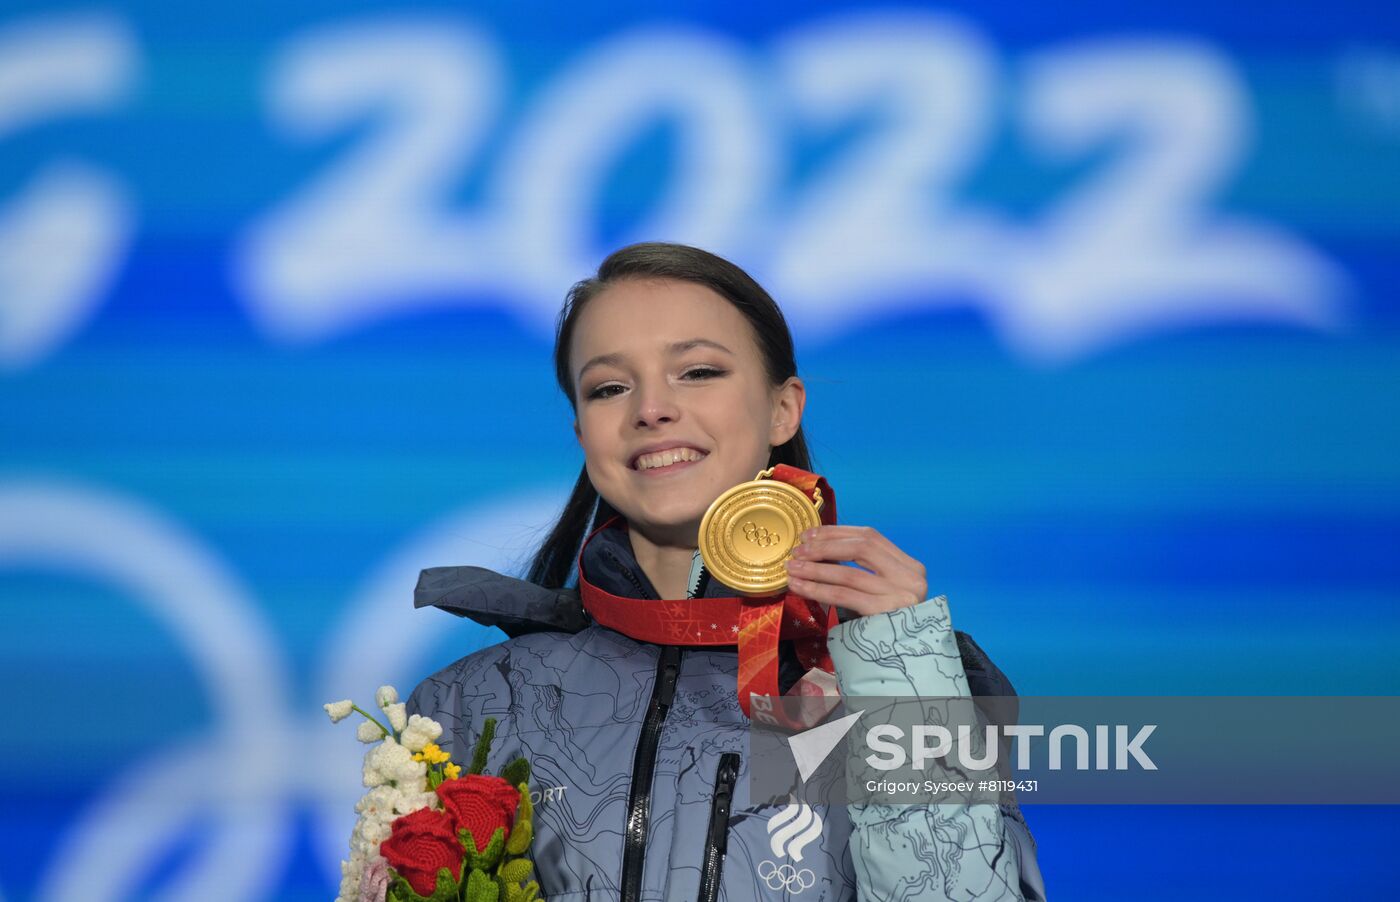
(428, 832)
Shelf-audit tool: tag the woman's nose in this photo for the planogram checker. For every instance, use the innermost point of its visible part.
(656, 403)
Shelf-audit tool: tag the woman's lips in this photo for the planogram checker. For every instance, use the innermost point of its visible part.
(667, 470)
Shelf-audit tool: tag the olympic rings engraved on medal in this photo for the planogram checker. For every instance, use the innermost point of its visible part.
(761, 535)
(785, 876)
(747, 533)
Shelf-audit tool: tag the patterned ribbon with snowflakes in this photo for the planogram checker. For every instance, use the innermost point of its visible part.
(755, 624)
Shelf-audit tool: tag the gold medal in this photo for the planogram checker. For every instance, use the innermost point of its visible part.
(749, 532)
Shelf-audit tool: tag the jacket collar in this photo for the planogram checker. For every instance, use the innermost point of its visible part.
(611, 565)
(518, 606)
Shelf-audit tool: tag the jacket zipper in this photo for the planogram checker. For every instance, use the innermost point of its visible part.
(634, 841)
(627, 572)
(717, 841)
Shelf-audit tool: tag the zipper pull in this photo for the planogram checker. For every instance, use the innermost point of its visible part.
(724, 783)
(717, 840)
(670, 671)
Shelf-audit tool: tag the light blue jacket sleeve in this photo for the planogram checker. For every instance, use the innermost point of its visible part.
(945, 851)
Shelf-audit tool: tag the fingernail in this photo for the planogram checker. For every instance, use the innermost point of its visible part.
(794, 564)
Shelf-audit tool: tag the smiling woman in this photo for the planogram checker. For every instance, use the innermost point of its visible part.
(681, 374)
(668, 415)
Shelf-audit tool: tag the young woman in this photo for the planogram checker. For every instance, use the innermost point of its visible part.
(682, 377)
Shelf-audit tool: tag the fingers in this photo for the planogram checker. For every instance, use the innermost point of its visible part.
(862, 544)
(857, 550)
(891, 579)
(833, 594)
(847, 587)
(836, 575)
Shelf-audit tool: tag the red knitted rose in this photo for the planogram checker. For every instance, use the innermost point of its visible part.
(480, 803)
(419, 845)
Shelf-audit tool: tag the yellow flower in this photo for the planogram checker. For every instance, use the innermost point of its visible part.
(452, 771)
(433, 754)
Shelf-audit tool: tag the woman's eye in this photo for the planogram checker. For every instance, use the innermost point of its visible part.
(696, 373)
(603, 391)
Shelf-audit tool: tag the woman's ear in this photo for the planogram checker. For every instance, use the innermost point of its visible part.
(578, 433)
(788, 401)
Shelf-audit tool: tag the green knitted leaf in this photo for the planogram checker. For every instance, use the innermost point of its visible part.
(488, 857)
(530, 892)
(400, 890)
(516, 772)
(524, 829)
(519, 842)
(480, 888)
(483, 746)
(446, 890)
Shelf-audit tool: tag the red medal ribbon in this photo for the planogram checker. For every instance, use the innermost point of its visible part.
(754, 623)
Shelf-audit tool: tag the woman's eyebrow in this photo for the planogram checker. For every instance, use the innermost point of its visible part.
(675, 347)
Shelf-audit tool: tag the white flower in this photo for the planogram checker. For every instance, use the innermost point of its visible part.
(350, 872)
(369, 731)
(409, 773)
(369, 833)
(363, 847)
(406, 801)
(391, 762)
(375, 831)
(378, 802)
(385, 756)
(338, 712)
(384, 804)
(398, 717)
(386, 696)
(419, 732)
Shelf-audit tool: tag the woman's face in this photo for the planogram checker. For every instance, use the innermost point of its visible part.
(667, 364)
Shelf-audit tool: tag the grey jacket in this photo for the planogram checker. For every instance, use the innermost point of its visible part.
(637, 753)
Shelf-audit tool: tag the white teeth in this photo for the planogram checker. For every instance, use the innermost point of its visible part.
(667, 457)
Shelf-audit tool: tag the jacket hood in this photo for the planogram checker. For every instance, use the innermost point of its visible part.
(515, 605)
(518, 606)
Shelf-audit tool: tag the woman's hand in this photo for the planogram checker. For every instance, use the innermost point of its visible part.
(891, 579)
